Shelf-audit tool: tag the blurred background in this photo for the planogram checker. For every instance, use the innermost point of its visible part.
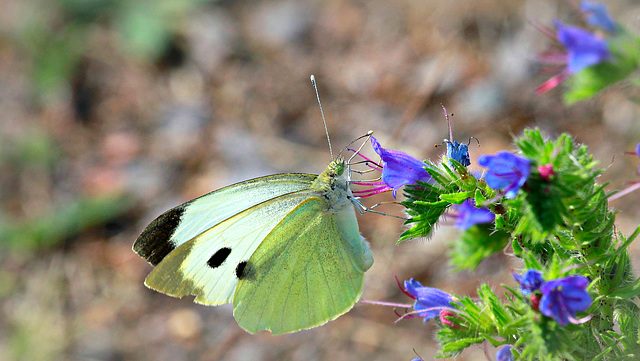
(113, 111)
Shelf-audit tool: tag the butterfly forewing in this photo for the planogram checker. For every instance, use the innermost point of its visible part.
(307, 271)
(285, 249)
(183, 223)
(206, 266)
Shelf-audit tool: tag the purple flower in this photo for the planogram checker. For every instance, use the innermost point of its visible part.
(598, 16)
(529, 282)
(458, 152)
(399, 168)
(432, 300)
(583, 48)
(563, 298)
(506, 171)
(468, 215)
(504, 354)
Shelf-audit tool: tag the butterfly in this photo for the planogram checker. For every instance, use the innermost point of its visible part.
(285, 249)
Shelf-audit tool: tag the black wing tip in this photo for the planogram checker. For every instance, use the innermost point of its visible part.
(154, 243)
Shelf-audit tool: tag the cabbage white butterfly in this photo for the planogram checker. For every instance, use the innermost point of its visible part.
(285, 249)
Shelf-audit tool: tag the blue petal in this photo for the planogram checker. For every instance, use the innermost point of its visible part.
(530, 281)
(564, 297)
(504, 354)
(399, 168)
(584, 48)
(598, 16)
(469, 215)
(412, 287)
(506, 171)
(551, 305)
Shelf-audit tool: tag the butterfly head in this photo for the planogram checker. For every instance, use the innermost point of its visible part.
(336, 167)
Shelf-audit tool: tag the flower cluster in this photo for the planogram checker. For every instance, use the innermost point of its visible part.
(561, 298)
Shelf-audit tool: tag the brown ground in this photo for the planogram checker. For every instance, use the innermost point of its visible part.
(93, 149)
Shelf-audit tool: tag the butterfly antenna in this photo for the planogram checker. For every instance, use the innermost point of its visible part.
(326, 131)
(446, 115)
(368, 136)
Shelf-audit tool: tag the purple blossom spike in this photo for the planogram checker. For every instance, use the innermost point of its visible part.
(506, 171)
(529, 282)
(504, 354)
(563, 298)
(598, 16)
(399, 168)
(468, 215)
(429, 300)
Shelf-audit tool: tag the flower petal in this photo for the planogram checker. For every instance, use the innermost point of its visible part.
(598, 16)
(584, 48)
(399, 168)
(469, 215)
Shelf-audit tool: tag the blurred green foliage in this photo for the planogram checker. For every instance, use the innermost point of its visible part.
(35, 153)
(56, 35)
(53, 227)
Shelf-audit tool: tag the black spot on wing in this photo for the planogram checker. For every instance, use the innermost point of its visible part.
(219, 257)
(244, 270)
(154, 244)
(240, 269)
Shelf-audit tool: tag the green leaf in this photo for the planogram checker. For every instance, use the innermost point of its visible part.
(456, 198)
(476, 244)
(628, 291)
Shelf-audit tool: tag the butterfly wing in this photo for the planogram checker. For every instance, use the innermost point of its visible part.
(307, 271)
(207, 265)
(183, 223)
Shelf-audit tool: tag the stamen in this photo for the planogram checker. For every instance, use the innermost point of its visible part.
(371, 192)
(365, 158)
(368, 183)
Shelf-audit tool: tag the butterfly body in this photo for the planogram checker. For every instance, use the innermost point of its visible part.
(284, 249)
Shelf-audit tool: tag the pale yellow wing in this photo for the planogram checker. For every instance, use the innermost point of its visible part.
(183, 223)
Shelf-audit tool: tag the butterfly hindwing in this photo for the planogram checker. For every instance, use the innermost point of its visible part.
(307, 271)
(207, 265)
(183, 223)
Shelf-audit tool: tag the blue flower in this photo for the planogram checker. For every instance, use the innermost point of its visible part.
(399, 168)
(529, 282)
(583, 48)
(458, 152)
(469, 215)
(598, 16)
(563, 298)
(504, 354)
(506, 171)
(432, 300)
